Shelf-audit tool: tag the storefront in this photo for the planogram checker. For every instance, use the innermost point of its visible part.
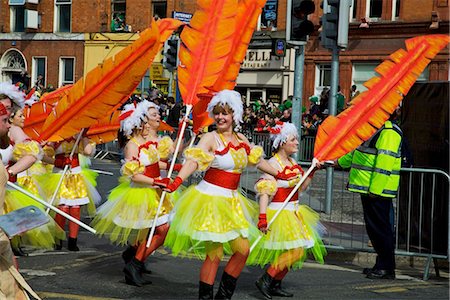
(265, 77)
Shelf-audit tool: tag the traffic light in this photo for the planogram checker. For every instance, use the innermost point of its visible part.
(300, 26)
(170, 60)
(335, 21)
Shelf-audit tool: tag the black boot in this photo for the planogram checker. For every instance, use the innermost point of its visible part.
(264, 283)
(72, 244)
(19, 251)
(276, 290)
(205, 291)
(132, 272)
(226, 287)
(128, 254)
(58, 244)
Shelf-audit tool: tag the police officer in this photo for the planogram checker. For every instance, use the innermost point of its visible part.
(375, 174)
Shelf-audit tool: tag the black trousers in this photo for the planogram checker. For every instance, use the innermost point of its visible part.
(377, 215)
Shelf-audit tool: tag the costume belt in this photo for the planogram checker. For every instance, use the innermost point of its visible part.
(283, 193)
(152, 171)
(61, 160)
(222, 178)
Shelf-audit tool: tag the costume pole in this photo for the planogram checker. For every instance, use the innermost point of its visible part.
(169, 174)
(102, 172)
(285, 203)
(58, 211)
(66, 168)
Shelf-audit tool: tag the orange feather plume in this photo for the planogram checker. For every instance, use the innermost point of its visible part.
(200, 116)
(36, 115)
(246, 20)
(206, 45)
(341, 134)
(166, 27)
(103, 88)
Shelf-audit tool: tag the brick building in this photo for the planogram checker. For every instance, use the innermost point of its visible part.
(63, 39)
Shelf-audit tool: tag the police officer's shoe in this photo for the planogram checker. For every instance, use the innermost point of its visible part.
(381, 274)
(367, 270)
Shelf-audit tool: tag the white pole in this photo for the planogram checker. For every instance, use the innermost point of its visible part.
(172, 164)
(285, 203)
(58, 211)
(66, 168)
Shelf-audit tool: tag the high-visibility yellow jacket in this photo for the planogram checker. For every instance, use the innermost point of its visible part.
(375, 165)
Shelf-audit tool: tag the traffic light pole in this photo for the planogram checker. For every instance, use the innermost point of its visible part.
(298, 90)
(332, 111)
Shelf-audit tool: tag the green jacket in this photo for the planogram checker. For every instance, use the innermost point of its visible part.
(375, 165)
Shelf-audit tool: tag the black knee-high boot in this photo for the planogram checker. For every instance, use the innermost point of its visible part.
(226, 287)
(264, 283)
(277, 290)
(205, 291)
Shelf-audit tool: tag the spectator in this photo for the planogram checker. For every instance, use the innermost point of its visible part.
(324, 96)
(340, 101)
(173, 119)
(286, 116)
(354, 92)
(313, 106)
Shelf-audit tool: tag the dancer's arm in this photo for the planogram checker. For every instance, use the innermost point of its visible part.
(131, 152)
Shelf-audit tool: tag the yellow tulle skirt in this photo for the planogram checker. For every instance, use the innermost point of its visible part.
(129, 212)
(77, 188)
(290, 238)
(202, 220)
(42, 237)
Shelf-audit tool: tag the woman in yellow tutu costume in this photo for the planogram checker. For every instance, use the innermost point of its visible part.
(28, 150)
(18, 158)
(213, 218)
(77, 190)
(296, 231)
(131, 207)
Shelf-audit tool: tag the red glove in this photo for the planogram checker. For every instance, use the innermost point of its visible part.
(161, 182)
(174, 185)
(262, 223)
(283, 176)
(11, 177)
(311, 175)
(177, 167)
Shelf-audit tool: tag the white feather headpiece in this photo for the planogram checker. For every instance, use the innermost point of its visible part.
(131, 117)
(13, 92)
(146, 105)
(280, 133)
(233, 99)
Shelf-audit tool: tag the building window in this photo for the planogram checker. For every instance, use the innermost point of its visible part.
(118, 23)
(66, 70)
(374, 9)
(39, 72)
(395, 9)
(363, 72)
(160, 9)
(268, 18)
(323, 77)
(354, 10)
(17, 18)
(63, 15)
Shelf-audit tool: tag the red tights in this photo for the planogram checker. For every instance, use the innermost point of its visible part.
(158, 239)
(240, 248)
(75, 212)
(285, 261)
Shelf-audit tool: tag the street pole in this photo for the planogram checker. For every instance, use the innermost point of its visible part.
(298, 91)
(170, 91)
(332, 112)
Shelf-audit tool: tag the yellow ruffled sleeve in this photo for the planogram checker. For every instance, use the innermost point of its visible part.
(27, 148)
(203, 158)
(255, 155)
(131, 168)
(266, 186)
(49, 151)
(164, 147)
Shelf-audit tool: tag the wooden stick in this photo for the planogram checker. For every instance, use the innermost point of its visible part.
(172, 164)
(285, 203)
(58, 211)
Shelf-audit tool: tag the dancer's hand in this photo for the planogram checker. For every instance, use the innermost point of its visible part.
(62, 162)
(262, 223)
(161, 182)
(176, 167)
(172, 187)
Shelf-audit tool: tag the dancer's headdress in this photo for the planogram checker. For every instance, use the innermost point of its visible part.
(233, 99)
(280, 133)
(13, 92)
